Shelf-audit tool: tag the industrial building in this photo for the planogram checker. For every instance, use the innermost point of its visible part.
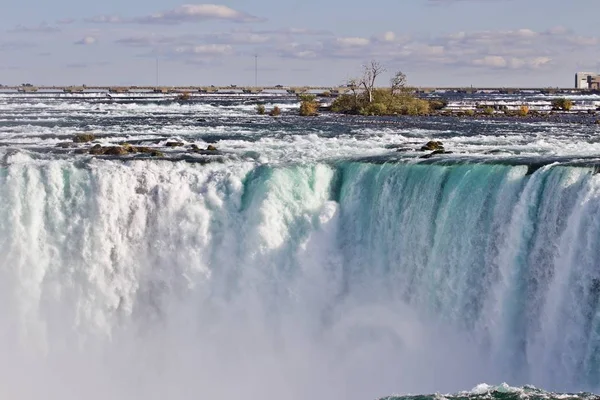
(587, 80)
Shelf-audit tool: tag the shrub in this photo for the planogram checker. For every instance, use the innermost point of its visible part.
(309, 108)
(488, 111)
(524, 110)
(470, 112)
(562, 104)
(375, 109)
(437, 104)
(308, 105)
(275, 111)
(307, 97)
(184, 96)
(413, 106)
(346, 104)
(260, 109)
(384, 103)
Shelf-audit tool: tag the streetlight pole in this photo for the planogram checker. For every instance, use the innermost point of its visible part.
(256, 70)
(156, 71)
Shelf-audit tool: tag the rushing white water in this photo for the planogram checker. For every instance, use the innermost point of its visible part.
(159, 279)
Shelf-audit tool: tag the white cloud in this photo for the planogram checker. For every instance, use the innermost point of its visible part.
(41, 28)
(491, 61)
(519, 49)
(196, 13)
(205, 49)
(512, 62)
(86, 41)
(182, 14)
(105, 19)
(352, 41)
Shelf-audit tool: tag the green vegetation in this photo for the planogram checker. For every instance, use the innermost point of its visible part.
(384, 102)
(524, 111)
(275, 111)
(438, 104)
(488, 111)
(365, 99)
(561, 104)
(260, 109)
(308, 105)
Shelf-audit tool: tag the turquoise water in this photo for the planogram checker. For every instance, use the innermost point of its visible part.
(346, 279)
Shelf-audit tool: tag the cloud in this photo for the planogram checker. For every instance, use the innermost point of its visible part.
(500, 62)
(293, 32)
(15, 45)
(87, 65)
(187, 13)
(206, 49)
(518, 49)
(105, 19)
(42, 28)
(65, 21)
(197, 13)
(352, 42)
(86, 41)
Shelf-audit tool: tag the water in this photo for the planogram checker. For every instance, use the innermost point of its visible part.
(308, 259)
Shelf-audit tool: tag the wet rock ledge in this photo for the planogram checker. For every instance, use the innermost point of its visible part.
(124, 148)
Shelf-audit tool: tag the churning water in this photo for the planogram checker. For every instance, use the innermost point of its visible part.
(309, 259)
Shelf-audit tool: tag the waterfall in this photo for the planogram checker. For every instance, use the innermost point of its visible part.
(159, 279)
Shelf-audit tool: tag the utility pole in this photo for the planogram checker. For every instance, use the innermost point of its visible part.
(156, 71)
(256, 70)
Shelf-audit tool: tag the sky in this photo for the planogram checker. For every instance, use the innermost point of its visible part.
(480, 43)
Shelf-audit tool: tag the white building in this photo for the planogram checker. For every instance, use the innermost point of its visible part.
(586, 80)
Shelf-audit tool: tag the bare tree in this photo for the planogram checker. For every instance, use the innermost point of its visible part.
(370, 73)
(398, 82)
(353, 84)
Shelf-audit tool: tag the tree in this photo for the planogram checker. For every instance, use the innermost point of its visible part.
(398, 82)
(353, 85)
(370, 73)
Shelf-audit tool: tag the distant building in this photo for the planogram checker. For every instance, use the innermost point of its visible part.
(587, 80)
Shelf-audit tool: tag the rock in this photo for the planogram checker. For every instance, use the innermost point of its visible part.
(173, 144)
(403, 149)
(157, 153)
(143, 149)
(96, 150)
(433, 145)
(211, 148)
(195, 147)
(65, 145)
(129, 148)
(84, 138)
(433, 153)
(597, 122)
(114, 151)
